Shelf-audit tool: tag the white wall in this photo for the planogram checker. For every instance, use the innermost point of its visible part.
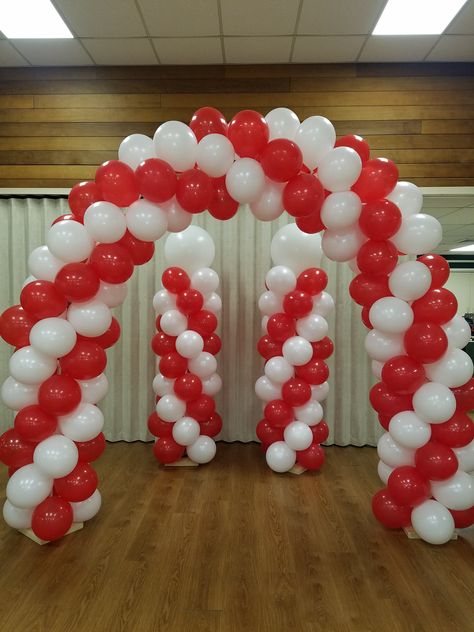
(462, 285)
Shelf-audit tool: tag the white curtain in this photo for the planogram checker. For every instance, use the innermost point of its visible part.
(242, 259)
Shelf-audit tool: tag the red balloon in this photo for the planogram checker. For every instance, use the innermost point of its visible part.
(204, 322)
(156, 180)
(357, 143)
(388, 512)
(162, 344)
(91, 450)
(222, 205)
(281, 160)
(52, 519)
(34, 424)
(172, 365)
(212, 426)
(15, 326)
(403, 375)
(269, 348)
(278, 413)
(296, 392)
(436, 461)
(438, 306)
(380, 219)
(280, 327)
(303, 195)
(408, 487)
(322, 349)
(384, 420)
(158, 427)
(77, 282)
(206, 121)
(387, 403)
(194, 191)
(297, 304)
(312, 458)
(117, 183)
(439, 268)
(14, 450)
(313, 281)
(365, 289)
(377, 179)
(166, 450)
(377, 257)
(59, 395)
(311, 223)
(320, 432)
(267, 433)
(248, 132)
(85, 361)
(188, 386)
(81, 196)
(425, 342)
(464, 395)
(40, 299)
(365, 317)
(212, 344)
(78, 485)
(314, 372)
(66, 216)
(175, 280)
(201, 408)
(464, 518)
(140, 251)
(457, 432)
(189, 301)
(112, 263)
(108, 338)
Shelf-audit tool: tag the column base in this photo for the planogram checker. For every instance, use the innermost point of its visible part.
(413, 535)
(297, 469)
(76, 526)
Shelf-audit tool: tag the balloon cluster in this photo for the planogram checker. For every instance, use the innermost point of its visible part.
(186, 344)
(295, 346)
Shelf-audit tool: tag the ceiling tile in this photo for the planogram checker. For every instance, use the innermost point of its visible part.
(463, 24)
(189, 50)
(257, 50)
(386, 48)
(102, 18)
(339, 17)
(9, 56)
(180, 18)
(117, 52)
(335, 49)
(453, 48)
(264, 17)
(53, 52)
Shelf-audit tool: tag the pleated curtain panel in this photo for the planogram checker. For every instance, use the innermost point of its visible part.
(242, 260)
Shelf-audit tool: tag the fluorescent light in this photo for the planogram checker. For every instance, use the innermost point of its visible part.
(417, 17)
(31, 19)
(469, 248)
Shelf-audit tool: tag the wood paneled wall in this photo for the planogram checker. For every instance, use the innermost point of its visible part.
(58, 124)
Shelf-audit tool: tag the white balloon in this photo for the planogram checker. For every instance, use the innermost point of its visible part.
(310, 413)
(215, 155)
(162, 385)
(15, 517)
(465, 457)
(56, 456)
(205, 280)
(173, 322)
(339, 169)
(341, 210)
(377, 367)
(105, 222)
(323, 304)
(190, 249)
(453, 369)
(186, 431)
(353, 265)
(269, 303)
(383, 346)
(265, 320)
(16, 395)
(312, 327)
(391, 315)
(408, 197)
(69, 241)
(418, 233)
(213, 303)
(282, 123)
(384, 471)
(91, 318)
(212, 385)
(164, 301)
(95, 389)
(432, 522)
(245, 180)
(29, 366)
(177, 218)
(315, 137)
(456, 492)
(409, 430)
(434, 403)
(280, 280)
(344, 244)
(278, 370)
(136, 148)
(176, 143)
(53, 336)
(296, 249)
(43, 265)
(410, 280)
(112, 294)
(83, 424)
(269, 205)
(146, 221)
(280, 457)
(170, 408)
(88, 508)
(203, 365)
(298, 435)
(392, 453)
(458, 332)
(189, 344)
(202, 450)
(319, 392)
(267, 390)
(28, 487)
(297, 350)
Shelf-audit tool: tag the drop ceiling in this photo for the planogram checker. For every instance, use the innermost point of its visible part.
(149, 32)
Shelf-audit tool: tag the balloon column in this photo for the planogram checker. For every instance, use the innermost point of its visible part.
(186, 344)
(294, 344)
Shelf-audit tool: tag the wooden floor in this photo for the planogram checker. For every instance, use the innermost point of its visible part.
(233, 547)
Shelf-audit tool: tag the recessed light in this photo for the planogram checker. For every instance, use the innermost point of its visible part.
(417, 17)
(31, 19)
(469, 248)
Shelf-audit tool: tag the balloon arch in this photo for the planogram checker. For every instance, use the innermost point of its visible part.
(274, 163)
